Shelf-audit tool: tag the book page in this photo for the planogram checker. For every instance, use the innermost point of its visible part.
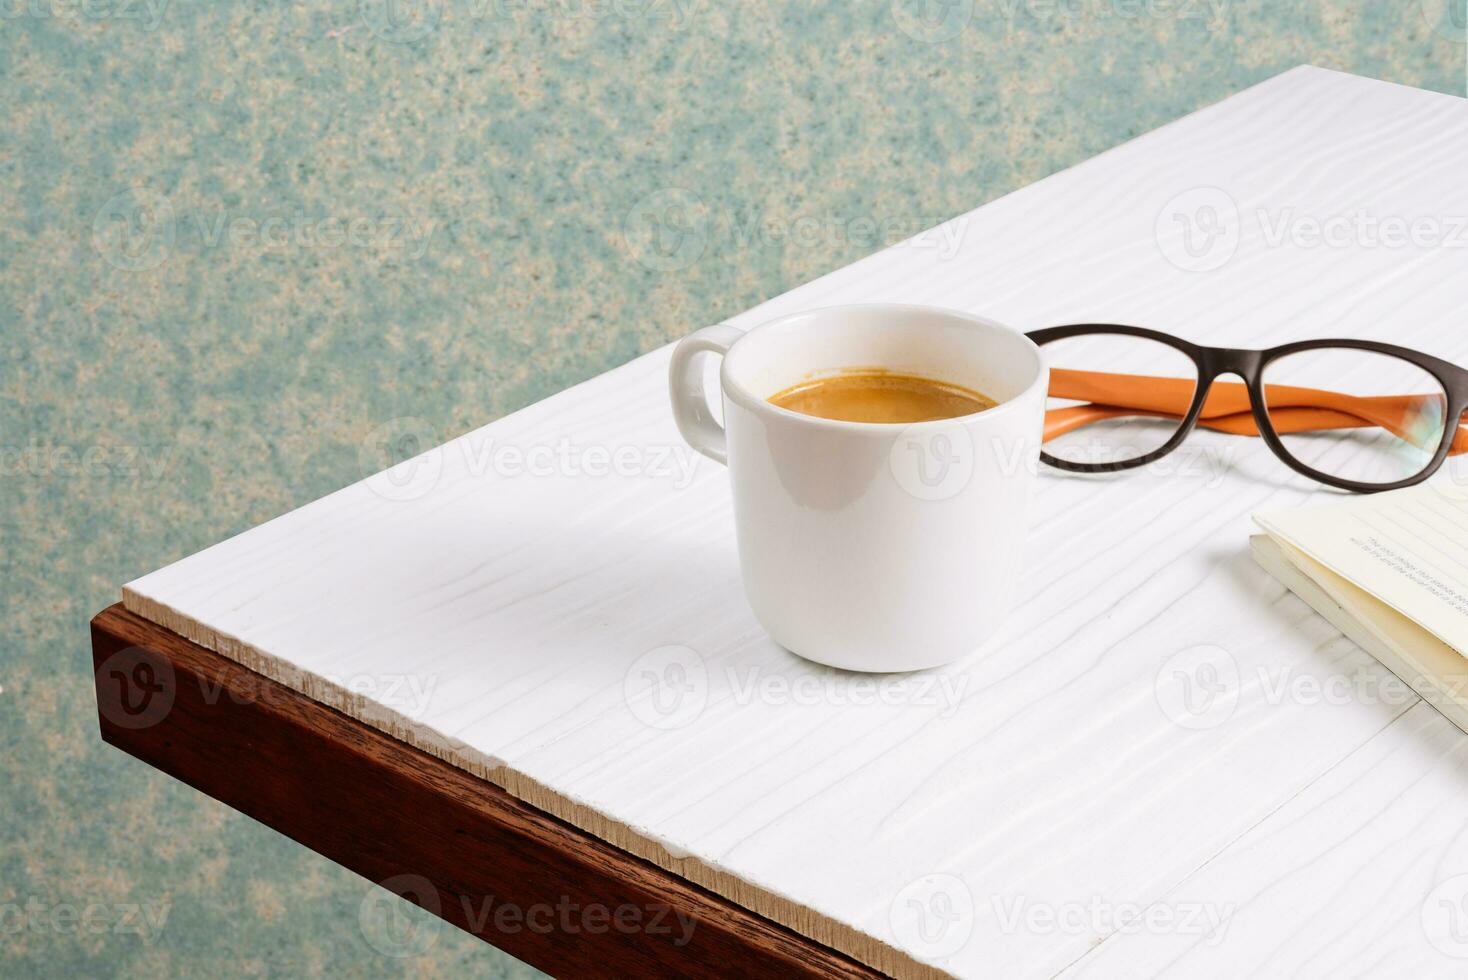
(1408, 548)
(1432, 668)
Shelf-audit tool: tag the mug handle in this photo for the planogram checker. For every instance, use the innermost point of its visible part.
(691, 410)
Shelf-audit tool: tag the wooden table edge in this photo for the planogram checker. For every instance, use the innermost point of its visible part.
(483, 860)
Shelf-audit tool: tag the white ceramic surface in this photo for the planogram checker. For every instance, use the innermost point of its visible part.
(528, 616)
(866, 546)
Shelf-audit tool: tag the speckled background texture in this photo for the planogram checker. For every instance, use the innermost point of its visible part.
(239, 239)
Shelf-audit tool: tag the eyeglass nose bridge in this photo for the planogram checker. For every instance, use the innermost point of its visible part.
(1222, 360)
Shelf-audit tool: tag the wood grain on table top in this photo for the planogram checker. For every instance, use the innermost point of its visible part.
(1001, 816)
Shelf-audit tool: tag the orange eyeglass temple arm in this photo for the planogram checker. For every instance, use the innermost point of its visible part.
(1227, 407)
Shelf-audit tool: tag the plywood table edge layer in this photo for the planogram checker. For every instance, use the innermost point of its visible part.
(229, 706)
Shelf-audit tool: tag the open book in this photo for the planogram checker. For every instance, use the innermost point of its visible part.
(1390, 571)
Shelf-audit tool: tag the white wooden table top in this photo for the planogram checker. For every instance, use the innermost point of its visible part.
(1165, 765)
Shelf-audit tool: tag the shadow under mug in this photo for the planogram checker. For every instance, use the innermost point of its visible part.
(872, 546)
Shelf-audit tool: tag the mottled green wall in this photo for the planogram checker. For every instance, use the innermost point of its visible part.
(238, 238)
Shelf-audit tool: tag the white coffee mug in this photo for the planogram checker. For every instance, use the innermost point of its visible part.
(872, 546)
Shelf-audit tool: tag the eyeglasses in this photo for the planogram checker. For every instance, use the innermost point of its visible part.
(1352, 414)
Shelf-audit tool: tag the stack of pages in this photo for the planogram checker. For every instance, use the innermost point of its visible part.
(1391, 572)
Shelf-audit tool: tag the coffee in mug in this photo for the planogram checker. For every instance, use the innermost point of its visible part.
(880, 396)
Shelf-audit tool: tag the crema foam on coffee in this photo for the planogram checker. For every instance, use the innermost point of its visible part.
(881, 396)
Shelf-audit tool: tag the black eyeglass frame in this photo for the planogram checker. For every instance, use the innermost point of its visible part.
(1213, 362)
